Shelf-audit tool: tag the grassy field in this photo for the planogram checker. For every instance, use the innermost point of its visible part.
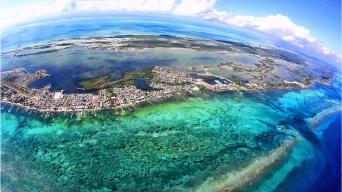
(96, 83)
(131, 76)
(103, 81)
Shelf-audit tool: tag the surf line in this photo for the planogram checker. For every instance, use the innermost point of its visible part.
(318, 120)
(238, 179)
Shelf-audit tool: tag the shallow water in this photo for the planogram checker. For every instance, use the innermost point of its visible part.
(250, 141)
(179, 145)
(82, 63)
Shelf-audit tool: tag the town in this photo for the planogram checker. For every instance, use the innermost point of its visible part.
(164, 84)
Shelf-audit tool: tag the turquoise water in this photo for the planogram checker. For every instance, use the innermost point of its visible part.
(181, 145)
(242, 141)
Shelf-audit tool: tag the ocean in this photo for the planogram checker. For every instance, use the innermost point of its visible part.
(271, 140)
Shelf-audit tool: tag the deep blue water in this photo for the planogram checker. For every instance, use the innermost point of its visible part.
(318, 174)
(141, 83)
(330, 178)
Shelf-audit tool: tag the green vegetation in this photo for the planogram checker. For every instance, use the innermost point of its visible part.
(265, 63)
(96, 83)
(229, 63)
(131, 76)
(268, 61)
(307, 80)
(102, 81)
(276, 85)
(208, 78)
(238, 82)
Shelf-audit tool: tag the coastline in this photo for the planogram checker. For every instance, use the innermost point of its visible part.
(117, 109)
(145, 101)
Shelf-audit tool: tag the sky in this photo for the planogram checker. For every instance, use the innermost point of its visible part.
(312, 24)
(321, 17)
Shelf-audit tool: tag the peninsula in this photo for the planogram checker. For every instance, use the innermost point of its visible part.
(243, 67)
(162, 83)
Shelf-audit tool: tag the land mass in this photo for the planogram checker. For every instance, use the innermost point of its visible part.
(121, 93)
(273, 69)
(269, 64)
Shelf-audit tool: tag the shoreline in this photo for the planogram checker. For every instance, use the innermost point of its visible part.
(168, 83)
(145, 101)
(117, 110)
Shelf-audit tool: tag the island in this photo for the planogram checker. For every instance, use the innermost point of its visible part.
(122, 93)
(269, 68)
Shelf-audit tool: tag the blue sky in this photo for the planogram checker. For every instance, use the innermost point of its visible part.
(307, 24)
(321, 17)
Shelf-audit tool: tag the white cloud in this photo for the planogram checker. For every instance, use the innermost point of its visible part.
(124, 5)
(278, 26)
(21, 14)
(194, 7)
